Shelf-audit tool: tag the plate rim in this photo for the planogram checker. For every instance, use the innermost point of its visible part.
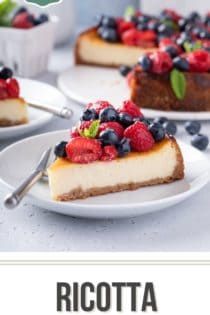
(204, 178)
(151, 113)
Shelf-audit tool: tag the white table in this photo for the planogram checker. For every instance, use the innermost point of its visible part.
(181, 228)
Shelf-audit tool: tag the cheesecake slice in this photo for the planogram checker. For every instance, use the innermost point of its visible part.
(113, 150)
(13, 112)
(90, 49)
(162, 164)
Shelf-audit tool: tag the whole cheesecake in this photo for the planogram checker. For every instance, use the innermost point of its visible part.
(115, 150)
(13, 108)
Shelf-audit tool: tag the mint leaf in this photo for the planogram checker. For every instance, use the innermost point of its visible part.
(130, 11)
(188, 47)
(6, 7)
(178, 83)
(92, 131)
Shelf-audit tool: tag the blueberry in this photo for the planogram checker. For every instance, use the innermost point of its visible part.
(181, 63)
(43, 18)
(193, 127)
(204, 35)
(194, 16)
(109, 137)
(89, 114)
(145, 62)
(125, 119)
(109, 34)
(153, 25)
(165, 30)
(31, 19)
(5, 73)
(109, 21)
(108, 114)
(142, 26)
(197, 31)
(144, 18)
(124, 147)
(200, 142)
(60, 149)
(134, 19)
(157, 131)
(207, 20)
(170, 128)
(182, 23)
(160, 120)
(184, 37)
(124, 70)
(171, 50)
(144, 120)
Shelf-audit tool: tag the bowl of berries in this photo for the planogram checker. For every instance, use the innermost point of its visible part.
(26, 40)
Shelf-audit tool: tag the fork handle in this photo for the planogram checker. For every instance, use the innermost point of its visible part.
(63, 112)
(13, 199)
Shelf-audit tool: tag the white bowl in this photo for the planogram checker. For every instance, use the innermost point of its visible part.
(27, 51)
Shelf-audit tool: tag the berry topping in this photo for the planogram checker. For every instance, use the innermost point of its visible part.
(83, 150)
(199, 61)
(171, 50)
(5, 73)
(124, 147)
(109, 153)
(13, 88)
(160, 120)
(145, 62)
(134, 37)
(170, 127)
(109, 137)
(130, 108)
(193, 127)
(157, 131)
(200, 142)
(140, 137)
(119, 130)
(124, 70)
(108, 34)
(109, 21)
(98, 106)
(3, 90)
(161, 62)
(23, 20)
(125, 119)
(108, 114)
(60, 149)
(89, 114)
(181, 63)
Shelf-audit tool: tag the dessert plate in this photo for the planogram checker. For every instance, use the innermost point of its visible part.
(117, 205)
(38, 93)
(85, 84)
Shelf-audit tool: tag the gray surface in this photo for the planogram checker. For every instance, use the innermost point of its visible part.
(28, 228)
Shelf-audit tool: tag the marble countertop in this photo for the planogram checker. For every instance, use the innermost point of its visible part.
(184, 227)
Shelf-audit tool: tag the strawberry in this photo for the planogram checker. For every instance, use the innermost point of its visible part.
(161, 62)
(83, 150)
(119, 130)
(23, 20)
(109, 153)
(3, 89)
(98, 106)
(130, 108)
(140, 138)
(13, 88)
(199, 61)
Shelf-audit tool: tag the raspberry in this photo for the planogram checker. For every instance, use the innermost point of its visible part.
(161, 62)
(133, 37)
(199, 61)
(23, 20)
(3, 89)
(119, 130)
(130, 108)
(140, 137)
(109, 153)
(83, 150)
(75, 132)
(123, 26)
(172, 14)
(98, 106)
(166, 42)
(13, 88)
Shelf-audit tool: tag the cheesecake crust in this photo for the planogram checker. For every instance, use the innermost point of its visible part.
(10, 123)
(92, 34)
(177, 175)
(154, 91)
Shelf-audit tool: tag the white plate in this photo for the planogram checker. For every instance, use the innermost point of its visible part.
(86, 84)
(123, 204)
(36, 92)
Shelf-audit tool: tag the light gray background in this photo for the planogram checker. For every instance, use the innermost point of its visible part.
(184, 227)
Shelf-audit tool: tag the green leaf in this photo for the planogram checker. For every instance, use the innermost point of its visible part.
(130, 11)
(178, 83)
(171, 24)
(6, 7)
(92, 131)
(189, 47)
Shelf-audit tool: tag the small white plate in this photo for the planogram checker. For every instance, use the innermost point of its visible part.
(123, 204)
(85, 84)
(40, 93)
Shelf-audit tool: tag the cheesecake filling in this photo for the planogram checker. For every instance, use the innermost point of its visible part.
(66, 178)
(13, 110)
